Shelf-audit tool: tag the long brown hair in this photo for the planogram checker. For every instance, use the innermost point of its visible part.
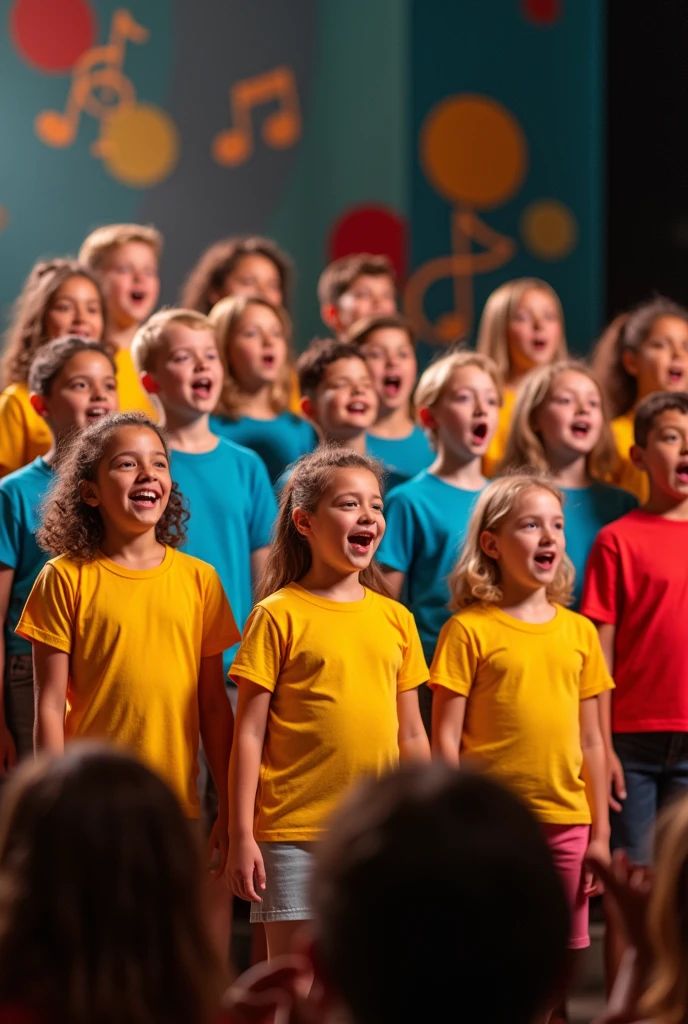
(26, 332)
(101, 896)
(221, 259)
(72, 527)
(290, 554)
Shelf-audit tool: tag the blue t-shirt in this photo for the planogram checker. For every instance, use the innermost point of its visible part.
(279, 442)
(586, 511)
(21, 494)
(403, 457)
(426, 523)
(232, 513)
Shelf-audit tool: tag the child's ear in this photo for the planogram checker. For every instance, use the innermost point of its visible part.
(489, 544)
(330, 316)
(427, 419)
(89, 493)
(637, 455)
(307, 408)
(38, 404)
(629, 361)
(301, 521)
(150, 384)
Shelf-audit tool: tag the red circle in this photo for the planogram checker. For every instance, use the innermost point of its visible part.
(374, 229)
(52, 36)
(542, 12)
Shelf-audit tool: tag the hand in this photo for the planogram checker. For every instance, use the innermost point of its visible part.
(616, 780)
(245, 869)
(596, 854)
(8, 751)
(219, 841)
(273, 993)
(629, 885)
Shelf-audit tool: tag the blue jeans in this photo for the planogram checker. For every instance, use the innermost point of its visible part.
(656, 768)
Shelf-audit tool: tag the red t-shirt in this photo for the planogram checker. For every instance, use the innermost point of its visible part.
(637, 580)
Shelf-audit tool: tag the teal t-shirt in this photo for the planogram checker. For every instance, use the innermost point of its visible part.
(232, 510)
(21, 494)
(279, 442)
(586, 511)
(403, 457)
(426, 523)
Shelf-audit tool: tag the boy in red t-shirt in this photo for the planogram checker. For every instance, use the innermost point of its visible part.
(636, 590)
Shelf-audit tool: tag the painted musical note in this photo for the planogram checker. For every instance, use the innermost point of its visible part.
(281, 129)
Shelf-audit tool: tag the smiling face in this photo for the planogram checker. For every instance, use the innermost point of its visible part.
(346, 528)
(75, 309)
(661, 363)
(132, 485)
(252, 276)
(529, 544)
(345, 403)
(257, 352)
(188, 371)
(570, 419)
(466, 414)
(130, 283)
(83, 391)
(665, 457)
(391, 360)
(534, 332)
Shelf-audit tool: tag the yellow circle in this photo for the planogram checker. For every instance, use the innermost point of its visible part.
(139, 145)
(549, 229)
(473, 151)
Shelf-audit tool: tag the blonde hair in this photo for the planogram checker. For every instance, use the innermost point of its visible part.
(476, 576)
(435, 379)
(150, 337)
(225, 318)
(499, 308)
(525, 448)
(290, 554)
(97, 246)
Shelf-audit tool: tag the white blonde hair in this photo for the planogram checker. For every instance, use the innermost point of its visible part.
(499, 308)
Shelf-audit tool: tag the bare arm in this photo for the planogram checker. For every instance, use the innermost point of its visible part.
(259, 559)
(595, 775)
(448, 713)
(217, 723)
(394, 579)
(51, 676)
(413, 739)
(245, 863)
(8, 753)
(615, 773)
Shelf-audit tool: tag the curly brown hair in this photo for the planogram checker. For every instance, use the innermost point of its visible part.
(221, 259)
(72, 527)
(27, 333)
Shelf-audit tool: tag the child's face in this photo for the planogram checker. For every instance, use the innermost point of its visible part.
(75, 309)
(661, 364)
(529, 545)
(84, 391)
(188, 371)
(257, 354)
(534, 332)
(131, 283)
(665, 458)
(133, 483)
(466, 414)
(391, 361)
(345, 404)
(254, 276)
(570, 419)
(369, 295)
(346, 528)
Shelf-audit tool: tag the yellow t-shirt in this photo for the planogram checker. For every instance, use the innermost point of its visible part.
(135, 640)
(524, 683)
(334, 670)
(24, 435)
(132, 397)
(630, 478)
(497, 449)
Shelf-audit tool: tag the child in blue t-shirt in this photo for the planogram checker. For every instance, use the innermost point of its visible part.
(457, 402)
(72, 383)
(560, 425)
(387, 345)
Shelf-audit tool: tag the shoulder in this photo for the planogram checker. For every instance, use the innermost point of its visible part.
(29, 479)
(573, 622)
(469, 623)
(16, 395)
(190, 565)
(624, 528)
(244, 460)
(67, 570)
(615, 498)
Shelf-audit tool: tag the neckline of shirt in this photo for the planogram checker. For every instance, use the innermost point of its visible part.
(137, 574)
(326, 602)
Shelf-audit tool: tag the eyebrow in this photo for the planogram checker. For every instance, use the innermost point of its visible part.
(356, 494)
(135, 455)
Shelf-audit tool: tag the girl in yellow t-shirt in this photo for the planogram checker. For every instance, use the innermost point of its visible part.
(522, 327)
(640, 352)
(127, 631)
(328, 674)
(515, 676)
(60, 298)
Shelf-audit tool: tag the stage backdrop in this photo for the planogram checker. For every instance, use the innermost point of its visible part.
(464, 139)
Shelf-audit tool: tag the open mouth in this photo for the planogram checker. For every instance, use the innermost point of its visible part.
(357, 408)
(268, 359)
(539, 344)
(545, 559)
(137, 296)
(96, 412)
(144, 498)
(682, 472)
(479, 432)
(675, 375)
(202, 387)
(391, 382)
(361, 542)
(580, 429)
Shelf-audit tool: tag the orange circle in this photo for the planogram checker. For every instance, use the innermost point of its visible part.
(473, 151)
(139, 145)
(549, 229)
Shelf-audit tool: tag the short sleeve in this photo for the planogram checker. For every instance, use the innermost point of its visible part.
(595, 678)
(260, 656)
(414, 670)
(397, 544)
(455, 663)
(263, 506)
(13, 431)
(50, 611)
(10, 532)
(601, 599)
(219, 628)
